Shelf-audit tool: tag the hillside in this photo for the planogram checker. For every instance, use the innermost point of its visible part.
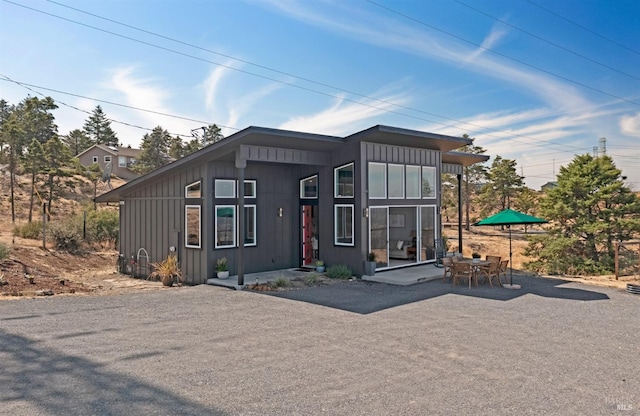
(91, 271)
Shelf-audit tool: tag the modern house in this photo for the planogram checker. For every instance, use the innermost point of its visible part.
(118, 159)
(269, 199)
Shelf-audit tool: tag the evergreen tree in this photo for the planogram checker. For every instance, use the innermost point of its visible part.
(77, 141)
(503, 185)
(590, 209)
(57, 164)
(11, 135)
(33, 162)
(472, 176)
(212, 134)
(98, 128)
(155, 151)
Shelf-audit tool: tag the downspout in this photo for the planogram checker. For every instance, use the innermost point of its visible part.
(240, 165)
(459, 176)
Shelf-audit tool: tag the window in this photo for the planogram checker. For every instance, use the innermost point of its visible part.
(413, 182)
(309, 187)
(192, 220)
(225, 188)
(428, 182)
(122, 161)
(249, 189)
(250, 225)
(107, 159)
(95, 159)
(193, 190)
(396, 181)
(344, 225)
(225, 226)
(377, 180)
(343, 178)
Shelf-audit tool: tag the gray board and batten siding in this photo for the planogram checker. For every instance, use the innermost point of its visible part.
(152, 207)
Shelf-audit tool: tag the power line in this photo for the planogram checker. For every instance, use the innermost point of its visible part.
(27, 86)
(583, 27)
(537, 68)
(547, 41)
(297, 77)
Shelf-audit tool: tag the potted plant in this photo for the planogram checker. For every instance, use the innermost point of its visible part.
(222, 270)
(476, 257)
(320, 266)
(167, 271)
(370, 264)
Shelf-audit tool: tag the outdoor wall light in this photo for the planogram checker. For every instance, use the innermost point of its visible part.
(365, 212)
(280, 212)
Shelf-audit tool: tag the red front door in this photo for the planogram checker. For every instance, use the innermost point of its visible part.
(309, 236)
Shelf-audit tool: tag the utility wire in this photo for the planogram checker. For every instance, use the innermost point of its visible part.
(27, 86)
(504, 22)
(304, 79)
(583, 27)
(537, 68)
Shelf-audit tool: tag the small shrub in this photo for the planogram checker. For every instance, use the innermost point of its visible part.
(32, 230)
(281, 282)
(5, 250)
(311, 279)
(167, 271)
(339, 271)
(67, 235)
(104, 226)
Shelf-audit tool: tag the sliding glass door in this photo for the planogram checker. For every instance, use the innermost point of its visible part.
(379, 234)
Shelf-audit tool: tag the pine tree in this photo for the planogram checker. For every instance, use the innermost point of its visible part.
(98, 128)
(33, 162)
(590, 209)
(502, 187)
(212, 134)
(155, 150)
(472, 176)
(77, 141)
(57, 162)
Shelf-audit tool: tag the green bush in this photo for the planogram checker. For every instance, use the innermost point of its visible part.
(32, 230)
(5, 250)
(67, 235)
(103, 226)
(339, 271)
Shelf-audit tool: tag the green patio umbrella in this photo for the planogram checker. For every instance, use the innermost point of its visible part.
(510, 217)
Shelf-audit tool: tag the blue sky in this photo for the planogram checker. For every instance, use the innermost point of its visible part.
(538, 81)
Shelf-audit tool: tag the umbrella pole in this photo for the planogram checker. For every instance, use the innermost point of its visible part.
(510, 259)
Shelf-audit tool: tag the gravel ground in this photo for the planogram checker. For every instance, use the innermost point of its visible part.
(345, 349)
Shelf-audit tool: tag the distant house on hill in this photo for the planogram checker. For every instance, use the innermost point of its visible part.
(118, 159)
(549, 186)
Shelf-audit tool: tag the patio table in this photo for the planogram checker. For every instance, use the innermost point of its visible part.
(475, 267)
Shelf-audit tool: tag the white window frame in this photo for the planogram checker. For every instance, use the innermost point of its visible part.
(186, 190)
(335, 225)
(336, 185)
(406, 173)
(121, 163)
(95, 159)
(225, 181)
(302, 187)
(255, 226)
(107, 158)
(384, 181)
(254, 188)
(389, 179)
(435, 191)
(186, 226)
(233, 224)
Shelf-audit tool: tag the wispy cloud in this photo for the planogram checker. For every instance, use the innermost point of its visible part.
(394, 33)
(344, 116)
(489, 41)
(211, 85)
(630, 125)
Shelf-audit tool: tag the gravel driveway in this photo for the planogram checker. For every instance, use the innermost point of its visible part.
(345, 349)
